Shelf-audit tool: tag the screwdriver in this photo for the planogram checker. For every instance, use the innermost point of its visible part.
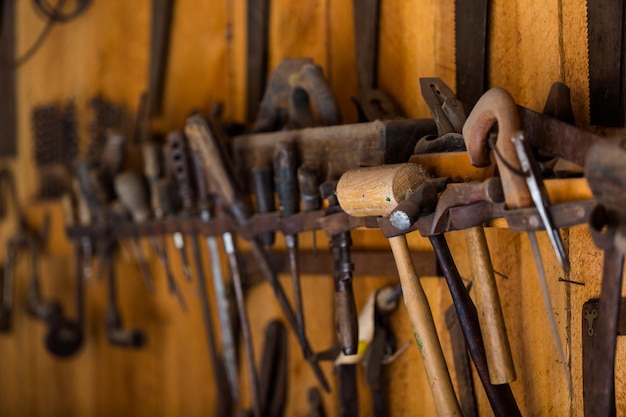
(131, 192)
(178, 156)
(218, 283)
(286, 184)
(346, 319)
(160, 200)
(219, 169)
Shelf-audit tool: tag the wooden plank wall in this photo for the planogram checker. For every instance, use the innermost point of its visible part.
(533, 44)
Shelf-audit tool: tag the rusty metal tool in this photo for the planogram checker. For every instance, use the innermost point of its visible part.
(24, 239)
(257, 15)
(604, 171)
(139, 216)
(605, 36)
(500, 396)
(222, 369)
(132, 338)
(371, 102)
(471, 38)
(410, 179)
(297, 96)
(274, 370)
(286, 184)
(346, 319)
(497, 106)
(220, 171)
(539, 195)
(263, 186)
(65, 336)
(376, 191)
(162, 13)
(381, 348)
(449, 115)
(462, 366)
(176, 151)
(8, 121)
(133, 195)
(231, 251)
(308, 183)
(223, 305)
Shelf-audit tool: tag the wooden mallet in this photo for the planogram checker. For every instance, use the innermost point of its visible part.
(376, 191)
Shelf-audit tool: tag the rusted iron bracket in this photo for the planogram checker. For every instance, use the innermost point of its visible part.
(458, 218)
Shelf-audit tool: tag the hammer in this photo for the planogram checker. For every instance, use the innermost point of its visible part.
(376, 191)
(497, 106)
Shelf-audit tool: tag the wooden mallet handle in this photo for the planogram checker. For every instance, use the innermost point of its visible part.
(376, 191)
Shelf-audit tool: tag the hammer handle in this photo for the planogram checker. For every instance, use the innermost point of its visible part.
(497, 349)
(424, 330)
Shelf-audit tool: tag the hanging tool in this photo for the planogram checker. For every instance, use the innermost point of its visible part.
(132, 338)
(346, 319)
(308, 184)
(176, 151)
(471, 19)
(23, 239)
(263, 186)
(286, 184)
(297, 96)
(449, 114)
(381, 348)
(139, 214)
(497, 106)
(605, 36)
(274, 370)
(219, 172)
(163, 202)
(8, 121)
(257, 15)
(462, 367)
(375, 191)
(222, 298)
(371, 102)
(133, 195)
(162, 11)
(222, 369)
(500, 396)
(65, 336)
(604, 171)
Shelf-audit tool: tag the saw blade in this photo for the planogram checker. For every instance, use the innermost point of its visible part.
(471, 50)
(604, 31)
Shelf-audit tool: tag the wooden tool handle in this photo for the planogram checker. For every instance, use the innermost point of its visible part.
(376, 191)
(424, 330)
(217, 170)
(497, 106)
(132, 193)
(498, 351)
